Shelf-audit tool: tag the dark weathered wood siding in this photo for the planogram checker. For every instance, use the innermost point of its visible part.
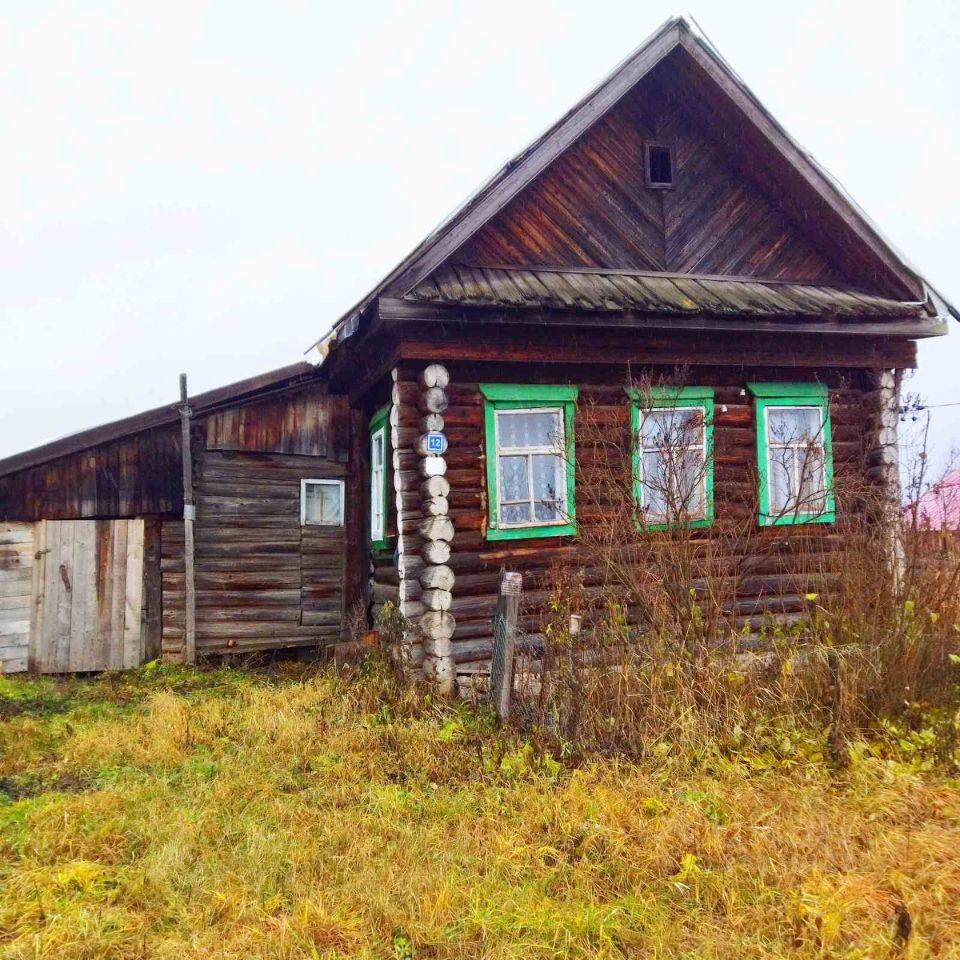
(592, 207)
(307, 423)
(263, 580)
(134, 476)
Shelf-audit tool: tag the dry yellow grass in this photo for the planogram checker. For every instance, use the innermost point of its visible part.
(175, 813)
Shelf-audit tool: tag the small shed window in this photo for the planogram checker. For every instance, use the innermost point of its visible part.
(659, 166)
(529, 438)
(673, 455)
(795, 453)
(321, 503)
(378, 478)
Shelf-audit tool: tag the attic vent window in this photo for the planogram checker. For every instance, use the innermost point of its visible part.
(659, 166)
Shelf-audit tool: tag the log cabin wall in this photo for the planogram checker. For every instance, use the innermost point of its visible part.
(855, 381)
(263, 579)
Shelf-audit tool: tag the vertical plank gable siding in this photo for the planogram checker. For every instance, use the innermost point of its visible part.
(477, 562)
(132, 477)
(305, 423)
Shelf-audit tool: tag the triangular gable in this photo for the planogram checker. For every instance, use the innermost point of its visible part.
(592, 206)
(729, 98)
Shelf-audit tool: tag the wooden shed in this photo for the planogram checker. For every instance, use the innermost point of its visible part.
(665, 222)
(92, 531)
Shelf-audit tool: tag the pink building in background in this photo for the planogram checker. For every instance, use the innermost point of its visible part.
(939, 507)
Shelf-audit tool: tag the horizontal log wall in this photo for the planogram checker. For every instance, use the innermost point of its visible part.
(263, 580)
(777, 581)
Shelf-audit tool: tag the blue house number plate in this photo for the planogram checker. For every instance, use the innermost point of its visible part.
(436, 442)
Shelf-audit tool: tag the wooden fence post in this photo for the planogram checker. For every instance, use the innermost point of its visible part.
(189, 512)
(504, 643)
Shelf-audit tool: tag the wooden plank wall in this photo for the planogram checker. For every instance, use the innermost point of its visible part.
(603, 411)
(307, 423)
(263, 580)
(130, 477)
(592, 207)
(88, 596)
(16, 594)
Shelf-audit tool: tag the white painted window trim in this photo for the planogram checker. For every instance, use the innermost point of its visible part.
(323, 481)
(529, 452)
(378, 479)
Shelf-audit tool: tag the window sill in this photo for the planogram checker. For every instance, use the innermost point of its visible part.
(793, 520)
(529, 533)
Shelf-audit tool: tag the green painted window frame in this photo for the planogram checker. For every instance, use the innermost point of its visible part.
(379, 421)
(521, 396)
(767, 395)
(661, 398)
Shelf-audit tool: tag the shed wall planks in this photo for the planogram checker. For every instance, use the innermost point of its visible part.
(130, 477)
(306, 423)
(17, 575)
(264, 581)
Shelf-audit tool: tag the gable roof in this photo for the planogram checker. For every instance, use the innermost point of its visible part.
(674, 35)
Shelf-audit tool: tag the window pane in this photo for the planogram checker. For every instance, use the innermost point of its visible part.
(529, 429)
(690, 476)
(330, 503)
(812, 485)
(513, 478)
(781, 483)
(655, 484)
(548, 477)
(672, 428)
(515, 513)
(793, 424)
(321, 504)
(311, 503)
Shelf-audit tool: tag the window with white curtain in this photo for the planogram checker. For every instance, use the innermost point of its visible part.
(321, 503)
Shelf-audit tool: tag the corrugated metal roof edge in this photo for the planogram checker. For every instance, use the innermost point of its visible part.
(281, 378)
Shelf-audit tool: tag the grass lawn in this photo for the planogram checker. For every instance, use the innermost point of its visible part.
(180, 813)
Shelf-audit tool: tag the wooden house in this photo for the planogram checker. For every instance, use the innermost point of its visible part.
(666, 221)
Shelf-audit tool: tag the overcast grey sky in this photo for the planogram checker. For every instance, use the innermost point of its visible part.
(207, 186)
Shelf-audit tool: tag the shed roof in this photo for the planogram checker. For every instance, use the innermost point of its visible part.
(282, 378)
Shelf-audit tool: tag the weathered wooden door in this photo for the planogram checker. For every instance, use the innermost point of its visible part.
(88, 596)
